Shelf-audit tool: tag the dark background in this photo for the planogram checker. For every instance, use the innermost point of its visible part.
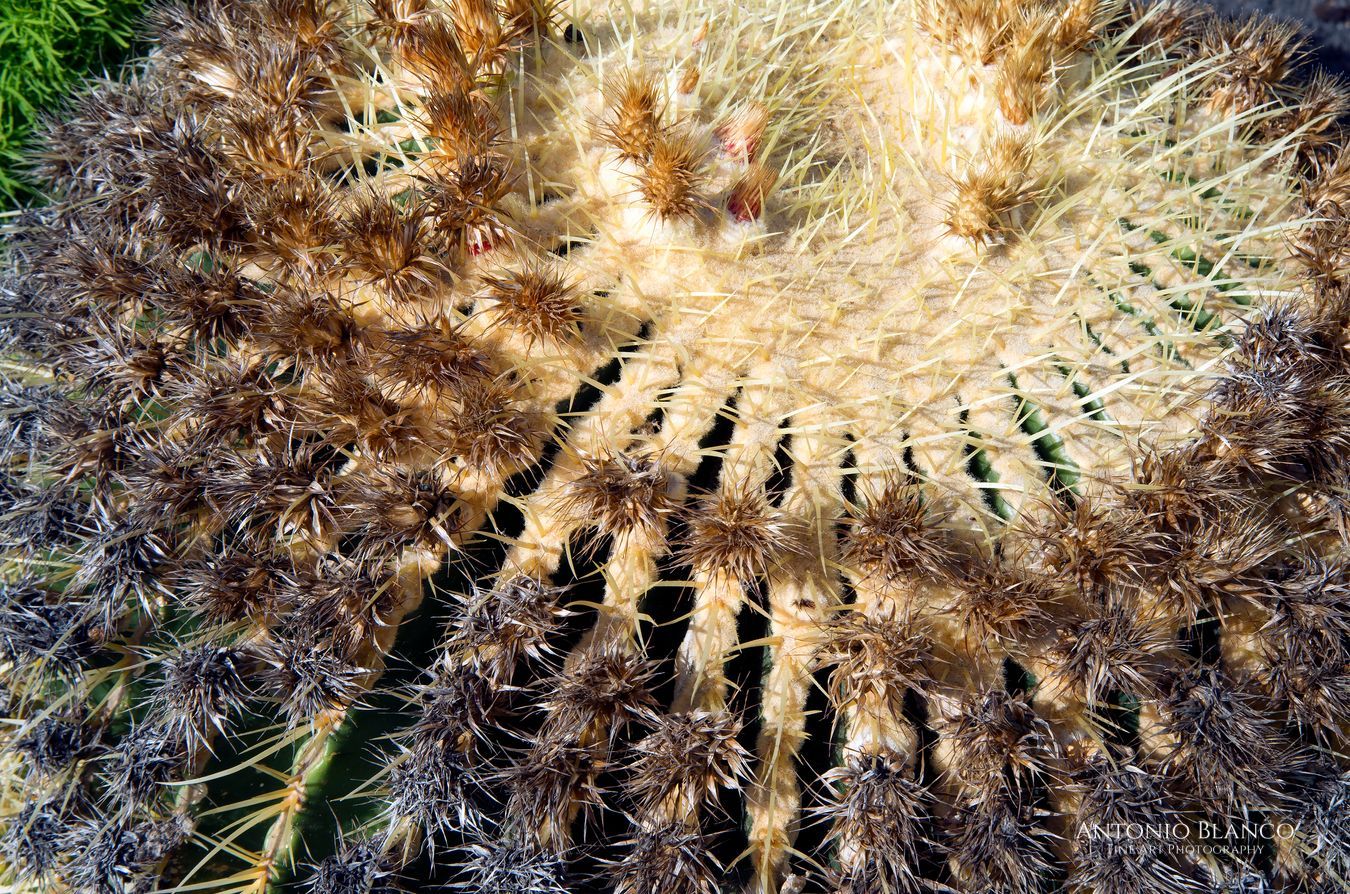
(1328, 20)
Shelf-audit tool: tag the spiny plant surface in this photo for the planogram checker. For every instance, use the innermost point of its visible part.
(867, 446)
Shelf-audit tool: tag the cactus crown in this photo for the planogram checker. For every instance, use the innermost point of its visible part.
(871, 447)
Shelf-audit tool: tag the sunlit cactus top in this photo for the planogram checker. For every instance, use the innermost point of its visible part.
(871, 447)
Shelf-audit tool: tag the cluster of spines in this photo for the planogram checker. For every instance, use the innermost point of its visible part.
(1095, 604)
(667, 158)
(1027, 43)
(1095, 610)
(226, 472)
(176, 472)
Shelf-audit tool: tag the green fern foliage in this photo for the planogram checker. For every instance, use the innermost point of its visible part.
(45, 47)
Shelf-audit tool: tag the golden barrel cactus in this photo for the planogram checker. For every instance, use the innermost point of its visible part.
(881, 447)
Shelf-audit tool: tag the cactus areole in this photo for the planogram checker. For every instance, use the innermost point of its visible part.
(874, 447)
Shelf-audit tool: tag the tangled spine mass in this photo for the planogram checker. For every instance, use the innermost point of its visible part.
(883, 446)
